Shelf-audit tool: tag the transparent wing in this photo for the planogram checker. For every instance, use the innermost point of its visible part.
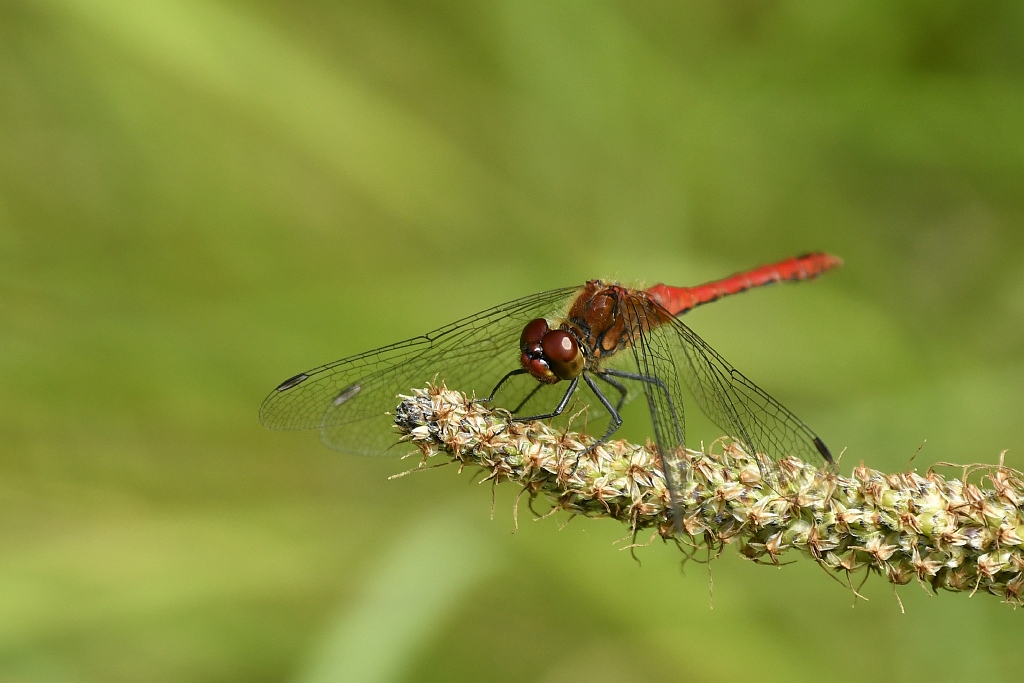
(667, 354)
(734, 403)
(657, 362)
(349, 400)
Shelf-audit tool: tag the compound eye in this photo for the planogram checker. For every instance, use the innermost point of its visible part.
(562, 354)
(533, 333)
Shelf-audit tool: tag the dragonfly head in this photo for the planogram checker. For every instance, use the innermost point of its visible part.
(550, 355)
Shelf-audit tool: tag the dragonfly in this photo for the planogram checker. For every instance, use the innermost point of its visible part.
(601, 344)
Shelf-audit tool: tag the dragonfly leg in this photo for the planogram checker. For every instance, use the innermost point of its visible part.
(559, 409)
(494, 391)
(614, 412)
(650, 380)
(621, 389)
(615, 423)
(632, 375)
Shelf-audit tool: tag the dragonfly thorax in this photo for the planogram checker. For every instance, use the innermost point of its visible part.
(549, 355)
(606, 315)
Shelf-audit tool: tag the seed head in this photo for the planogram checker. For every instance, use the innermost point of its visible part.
(952, 534)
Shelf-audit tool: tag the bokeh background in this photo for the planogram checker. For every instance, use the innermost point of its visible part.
(199, 198)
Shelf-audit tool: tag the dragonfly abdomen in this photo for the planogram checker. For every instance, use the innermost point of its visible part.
(679, 300)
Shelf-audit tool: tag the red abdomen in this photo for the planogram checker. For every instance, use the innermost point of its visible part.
(678, 300)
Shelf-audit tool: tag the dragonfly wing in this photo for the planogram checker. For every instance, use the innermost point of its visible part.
(349, 400)
(658, 364)
(737, 405)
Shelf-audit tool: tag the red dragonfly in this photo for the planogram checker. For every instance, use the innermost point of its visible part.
(520, 354)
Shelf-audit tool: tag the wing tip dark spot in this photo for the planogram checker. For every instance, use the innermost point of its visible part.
(823, 449)
(292, 382)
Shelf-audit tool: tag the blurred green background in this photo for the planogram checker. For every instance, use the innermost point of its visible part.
(201, 198)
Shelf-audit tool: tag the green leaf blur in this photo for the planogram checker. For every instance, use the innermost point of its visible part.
(199, 199)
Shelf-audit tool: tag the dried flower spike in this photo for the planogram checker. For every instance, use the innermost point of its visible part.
(946, 533)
